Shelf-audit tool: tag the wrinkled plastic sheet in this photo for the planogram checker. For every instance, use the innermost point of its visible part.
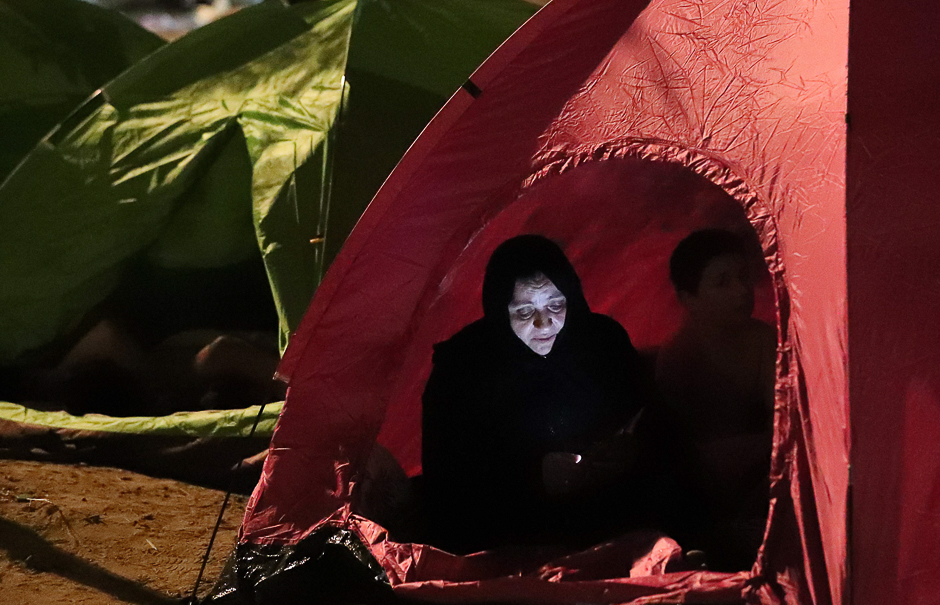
(330, 565)
(354, 562)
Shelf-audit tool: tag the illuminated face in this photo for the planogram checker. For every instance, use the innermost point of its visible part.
(537, 312)
(725, 293)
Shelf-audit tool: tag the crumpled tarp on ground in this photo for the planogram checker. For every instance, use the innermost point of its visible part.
(352, 560)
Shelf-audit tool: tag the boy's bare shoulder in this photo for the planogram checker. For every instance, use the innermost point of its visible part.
(684, 348)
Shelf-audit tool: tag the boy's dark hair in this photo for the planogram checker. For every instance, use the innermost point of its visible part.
(692, 255)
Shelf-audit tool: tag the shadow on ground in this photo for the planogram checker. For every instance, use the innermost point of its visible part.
(25, 545)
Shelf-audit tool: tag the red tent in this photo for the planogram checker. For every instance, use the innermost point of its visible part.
(616, 130)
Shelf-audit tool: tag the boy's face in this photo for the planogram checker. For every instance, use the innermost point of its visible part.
(725, 293)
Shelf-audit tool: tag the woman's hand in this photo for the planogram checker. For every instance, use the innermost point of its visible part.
(563, 473)
(607, 461)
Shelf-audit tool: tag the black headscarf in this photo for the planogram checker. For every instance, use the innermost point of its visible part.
(522, 257)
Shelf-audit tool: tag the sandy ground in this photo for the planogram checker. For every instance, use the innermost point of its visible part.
(89, 536)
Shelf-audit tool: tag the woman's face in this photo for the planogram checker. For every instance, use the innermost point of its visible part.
(537, 312)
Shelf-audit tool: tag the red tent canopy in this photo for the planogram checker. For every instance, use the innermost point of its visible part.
(616, 132)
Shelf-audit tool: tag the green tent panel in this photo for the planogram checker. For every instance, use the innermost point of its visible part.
(405, 60)
(53, 55)
(165, 161)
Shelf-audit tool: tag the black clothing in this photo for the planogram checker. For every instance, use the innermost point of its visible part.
(493, 408)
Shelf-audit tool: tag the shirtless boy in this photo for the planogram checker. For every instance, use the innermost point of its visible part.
(716, 377)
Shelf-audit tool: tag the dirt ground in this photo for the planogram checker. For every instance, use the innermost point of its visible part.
(89, 536)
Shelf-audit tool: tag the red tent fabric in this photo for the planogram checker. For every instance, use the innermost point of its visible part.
(893, 270)
(616, 128)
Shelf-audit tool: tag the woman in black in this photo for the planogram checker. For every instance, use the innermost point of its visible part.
(528, 410)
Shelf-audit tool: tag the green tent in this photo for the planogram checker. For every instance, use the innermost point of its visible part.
(267, 130)
(53, 55)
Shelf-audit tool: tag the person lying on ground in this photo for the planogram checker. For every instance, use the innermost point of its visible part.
(527, 414)
(716, 378)
(108, 371)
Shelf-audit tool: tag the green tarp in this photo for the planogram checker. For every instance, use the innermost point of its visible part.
(223, 143)
(53, 55)
(211, 448)
(213, 423)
